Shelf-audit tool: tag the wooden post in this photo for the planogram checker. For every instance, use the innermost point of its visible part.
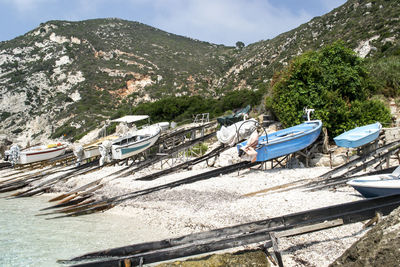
(276, 252)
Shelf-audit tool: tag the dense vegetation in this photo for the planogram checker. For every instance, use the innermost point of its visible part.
(385, 73)
(182, 109)
(335, 82)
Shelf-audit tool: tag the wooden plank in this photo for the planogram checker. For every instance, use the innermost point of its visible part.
(282, 186)
(277, 252)
(348, 212)
(353, 162)
(224, 242)
(309, 228)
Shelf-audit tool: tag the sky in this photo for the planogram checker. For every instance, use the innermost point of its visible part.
(215, 21)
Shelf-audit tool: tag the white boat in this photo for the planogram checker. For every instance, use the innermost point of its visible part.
(40, 153)
(92, 149)
(135, 142)
(163, 125)
(377, 185)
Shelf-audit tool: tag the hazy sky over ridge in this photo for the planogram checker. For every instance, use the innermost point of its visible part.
(216, 21)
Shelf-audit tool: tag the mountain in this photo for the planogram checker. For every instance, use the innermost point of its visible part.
(75, 74)
(68, 77)
(371, 28)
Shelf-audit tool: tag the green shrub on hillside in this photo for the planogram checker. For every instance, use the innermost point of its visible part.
(386, 75)
(183, 108)
(333, 81)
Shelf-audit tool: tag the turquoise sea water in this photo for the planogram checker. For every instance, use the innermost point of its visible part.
(29, 240)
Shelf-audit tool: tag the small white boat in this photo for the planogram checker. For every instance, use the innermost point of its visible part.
(92, 149)
(163, 125)
(136, 142)
(377, 185)
(40, 153)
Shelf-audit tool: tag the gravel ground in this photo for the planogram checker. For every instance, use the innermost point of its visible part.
(221, 201)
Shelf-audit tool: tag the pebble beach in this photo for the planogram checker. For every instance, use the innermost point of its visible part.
(228, 200)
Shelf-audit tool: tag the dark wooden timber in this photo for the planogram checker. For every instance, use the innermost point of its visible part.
(342, 179)
(184, 165)
(391, 147)
(4, 165)
(147, 163)
(238, 235)
(111, 202)
(88, 167)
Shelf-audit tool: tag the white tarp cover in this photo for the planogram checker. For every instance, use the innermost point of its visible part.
(131, 118)
(228, 135)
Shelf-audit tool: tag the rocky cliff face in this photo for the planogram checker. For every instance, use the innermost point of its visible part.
(73, 75)
(379, 247)
(68, 77)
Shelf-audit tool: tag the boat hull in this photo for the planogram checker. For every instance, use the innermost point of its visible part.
(131, 149)
(92, 150)
(358, 136)
(375, 186)
(287, 141)
(40, 153)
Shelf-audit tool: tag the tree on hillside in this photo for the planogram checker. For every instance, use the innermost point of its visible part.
(239, 45)
(335, 83)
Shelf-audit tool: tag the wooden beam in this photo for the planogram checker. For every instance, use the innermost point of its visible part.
(309, 228)
(276, 252)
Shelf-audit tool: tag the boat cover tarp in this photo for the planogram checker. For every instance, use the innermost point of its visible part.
(229, 135)
(131, 118)
(231, 119)
(250, 148)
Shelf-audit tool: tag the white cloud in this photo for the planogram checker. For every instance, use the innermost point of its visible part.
(24, 6)
(225, 21)
(216, 21)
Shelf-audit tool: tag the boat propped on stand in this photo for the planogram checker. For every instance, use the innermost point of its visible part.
(282, 142)
(135, 142)
(92, 149)
(35, 153)
(377, 185)
(359, 136)
(102, 146)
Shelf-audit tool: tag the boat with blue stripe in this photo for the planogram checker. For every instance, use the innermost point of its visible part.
(136, 142)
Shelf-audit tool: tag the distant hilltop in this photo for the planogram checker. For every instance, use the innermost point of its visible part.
(75, 75)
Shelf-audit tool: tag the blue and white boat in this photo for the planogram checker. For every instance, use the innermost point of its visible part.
(377, 185)
(359, 136)
(136, 142)
(286, 141)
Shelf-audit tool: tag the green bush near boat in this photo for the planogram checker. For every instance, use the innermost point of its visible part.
(182, 108)
(335, 82)
(197, 150)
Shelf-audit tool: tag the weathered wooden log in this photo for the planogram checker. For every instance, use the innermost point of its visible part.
(273, 224)
(62, 196)
(389, 147)
(118, 199)
(242, 234)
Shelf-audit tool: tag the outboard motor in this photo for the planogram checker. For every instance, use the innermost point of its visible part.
(78, 152)
(6, 155)
(105, 152)
(14, 154)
